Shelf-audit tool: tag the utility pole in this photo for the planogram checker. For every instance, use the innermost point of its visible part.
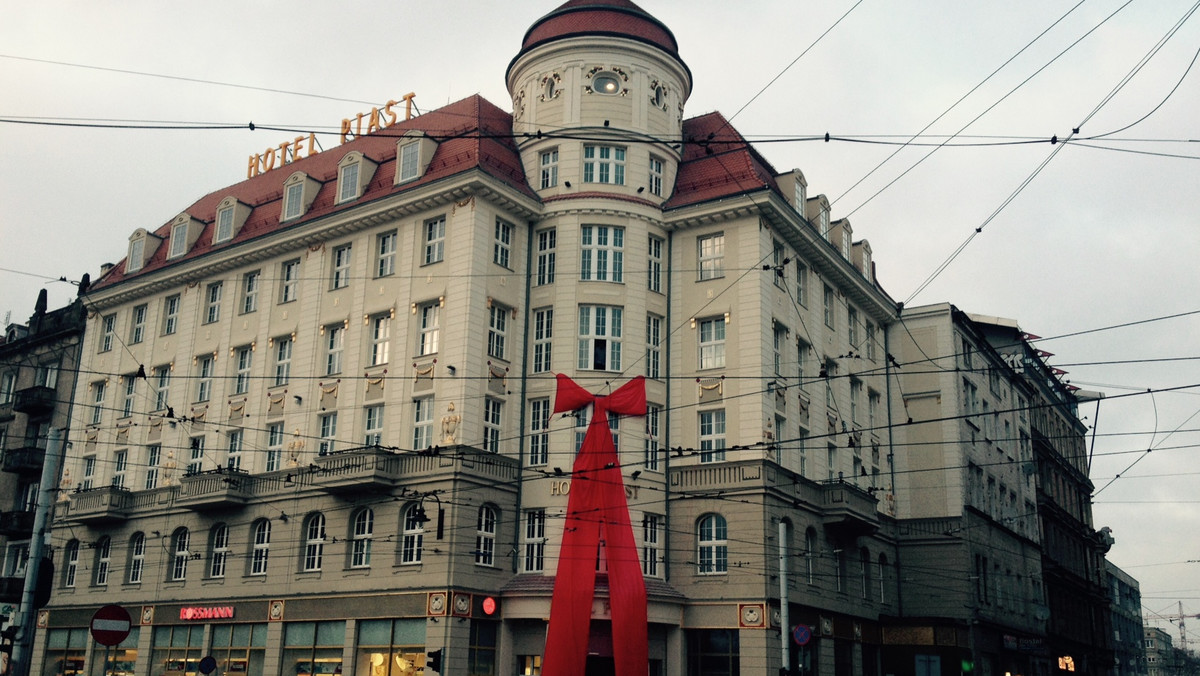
(23, 644)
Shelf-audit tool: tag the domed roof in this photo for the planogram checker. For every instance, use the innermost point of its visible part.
(618, 18)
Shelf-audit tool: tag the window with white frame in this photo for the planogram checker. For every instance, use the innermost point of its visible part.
(362, 534)
(46, 375)
(204, 376)
(485, 536)
(314, 542)
(373, 425)
(98, 391)
(603, 164)
(108, 330)
(502, 244)
(274, 446)
(293, 201)
(261, 548)
(852, 326)
(219, 551)
(435, 240)
(179, 240)
(779, 259)
(136, 259)
(549, 164)
(873, 402)
(810, 556)
(410, 165)
(856, 393)
(212, 302)
(196, 455)
(153, 457)
(335, 344)
(802, 450)
(348, 183)
(600, 338)
(120, 465)
(830, 312)
(869, 339)
(89, 472)
(243, 360)
(385, 254)
(712, 343)
(547, 242)
(653, 444)
(162, 387)
(654, 273)
(224, 225)
(801, 283)
(779, 343)
(539, 431)
(654, 346)
(712, 545)
(652, 527)
(429, 328)
(380, 338)
(181, 554)
(832, 462)
(422, 423)
(497, 330)
(711, 256)
(283, 361)
(137, 557)
(491, 425)
(602, 253)
(326, 433)
(137, 324)
(712, 435)
(543, 333)
(412, 538)
(233, 456)
(341, 267)
(656, 176)
(533, 540)
(289, 280)
(250, 283)
(70, 563)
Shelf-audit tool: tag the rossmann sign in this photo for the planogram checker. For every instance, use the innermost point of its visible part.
(206, 613)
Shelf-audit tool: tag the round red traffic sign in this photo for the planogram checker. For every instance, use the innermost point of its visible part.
(110, 625)
(802, 634)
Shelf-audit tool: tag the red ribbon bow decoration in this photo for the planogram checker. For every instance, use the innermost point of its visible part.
(597, 506)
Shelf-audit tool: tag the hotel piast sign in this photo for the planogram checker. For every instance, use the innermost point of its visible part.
(563, 487)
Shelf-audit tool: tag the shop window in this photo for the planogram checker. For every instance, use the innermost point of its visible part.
(312, 648)
(394, 647)
(239, 648)
(177, 649)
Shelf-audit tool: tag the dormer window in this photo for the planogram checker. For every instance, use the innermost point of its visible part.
(224, 225)
(413, 153)
(293, 201)
(137, 250)
(179, 239)
(231, 216)
(299, 191)
(348, 183)
(354, 173)
(409, 154)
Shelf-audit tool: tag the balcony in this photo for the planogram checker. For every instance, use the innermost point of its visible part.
(215, 489)
(370, 469)
(35, 401)
(16, 525)
(11, 588)
(848, 509)
(25, 461)
(100, 505)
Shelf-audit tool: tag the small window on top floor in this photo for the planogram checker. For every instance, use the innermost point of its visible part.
(142, 246)
(413, 153)
(354, 172)
(299, 191)
(224, 225)
(230, 217)
(179, 240)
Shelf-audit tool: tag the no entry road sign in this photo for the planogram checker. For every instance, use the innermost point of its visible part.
(110, 625)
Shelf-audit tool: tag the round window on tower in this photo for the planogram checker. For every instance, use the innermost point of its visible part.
(606, 83)
(659, 95)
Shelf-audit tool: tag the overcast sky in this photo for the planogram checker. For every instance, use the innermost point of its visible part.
(1103, 235)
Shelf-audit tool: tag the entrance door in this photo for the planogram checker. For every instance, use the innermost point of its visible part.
(600, 666)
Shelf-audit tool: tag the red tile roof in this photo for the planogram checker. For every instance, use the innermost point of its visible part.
(473, 134)
(717, 162)
(620, 18)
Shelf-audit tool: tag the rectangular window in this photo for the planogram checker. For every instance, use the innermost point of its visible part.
(250, 291)
(430, 330)
(856, 392)
(373, 426)
(802, 283)
(497, 330)
(341, 267)
(827, 298)
(120, 464)
(502, 246)
(603, 164)
(539, 431)
(654, 346)
(712, 435)
(779, 343)
(869, 339)
(274, 446)
(654, 274)
(385, 254)
(108, 329)
(410, 166)
(196, 455)
(170, 314)
(852, 326)
(98, 390)
(244, 357)
(491, 425)
(380, 338)
(546, 244)
(283, 361)
(89, 472)
(831, 462)
(293, 201)
(422, 424)
(656, 176)
(224, 225)
(712, 256)
(653, 445)
(289, 278)
(130, 388)
(873, 402)
(602, 253)
(153, 457)
(600, 338)
(549, 162)
(435, 240)
(46, 375)
(712, 343)
(335, 343)
(543, 332)
(233, 457)
(327, 433)
(534, 540)
(212, 303)
(779, 258)
(348, 183)
(179, 243)
(204, 375)
(137, 324)
(137, 251)
(652, 526)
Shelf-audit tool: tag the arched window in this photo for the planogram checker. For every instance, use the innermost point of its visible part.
(362, 532)
(485, 537)
(864, 563)
(103, 560)
(181, 538)
(413, 537)
(218, 550)
(712, 545)
(314, 542)
(810, 555)
(261, 548)
(137, 557)
(71, 563)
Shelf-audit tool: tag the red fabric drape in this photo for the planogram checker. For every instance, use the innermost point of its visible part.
(597, 508)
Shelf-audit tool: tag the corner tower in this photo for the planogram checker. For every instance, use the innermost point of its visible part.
(607, 71)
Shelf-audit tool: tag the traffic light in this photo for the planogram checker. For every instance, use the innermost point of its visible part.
(433, 660)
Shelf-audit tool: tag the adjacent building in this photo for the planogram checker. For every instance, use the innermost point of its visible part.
(1125, 599)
